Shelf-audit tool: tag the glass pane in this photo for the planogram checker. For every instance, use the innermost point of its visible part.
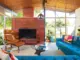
(60, 14)
(50, 13)
(50, 29)
(70, 14)
(19, 14)
(60, 27)
(1, 29)
(70, 26)
(1, 22)
(8, 12)
(8, 23)
(37, 12)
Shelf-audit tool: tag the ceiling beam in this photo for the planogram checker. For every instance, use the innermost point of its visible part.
(5, 6)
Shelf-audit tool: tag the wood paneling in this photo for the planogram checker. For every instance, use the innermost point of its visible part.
(70, 5)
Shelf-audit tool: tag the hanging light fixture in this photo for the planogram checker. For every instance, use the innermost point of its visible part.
(41, 16)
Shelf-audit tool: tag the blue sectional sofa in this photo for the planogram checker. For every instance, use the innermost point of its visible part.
(72, 48)
(68, 57)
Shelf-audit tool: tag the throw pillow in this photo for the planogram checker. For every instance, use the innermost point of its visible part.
(65, 38)
(68, 38)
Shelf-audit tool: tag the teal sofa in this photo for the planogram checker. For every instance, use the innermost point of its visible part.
(72, 48)
(68, 57)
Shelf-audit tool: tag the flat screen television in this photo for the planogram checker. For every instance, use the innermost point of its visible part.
(27, 33)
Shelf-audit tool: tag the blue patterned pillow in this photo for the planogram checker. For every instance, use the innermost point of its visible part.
(75, 38)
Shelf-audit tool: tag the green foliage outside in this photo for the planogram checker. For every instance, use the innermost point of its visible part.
(59, 25)
(8, 22)
(50, 30)
(8, 25)
(20, 14)
(51, 27)
(1, 27)
(37, 12)
(1, 22)
(1, 39)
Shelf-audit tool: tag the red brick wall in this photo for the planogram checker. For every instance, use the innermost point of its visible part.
(36, 23)
(28, 12)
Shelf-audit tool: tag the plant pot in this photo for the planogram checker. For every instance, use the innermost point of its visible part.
(47, 40)
(51, 39)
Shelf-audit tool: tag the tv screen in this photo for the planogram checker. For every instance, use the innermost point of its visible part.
(27, 33)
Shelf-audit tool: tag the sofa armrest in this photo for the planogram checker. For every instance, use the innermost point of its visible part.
(58, 39)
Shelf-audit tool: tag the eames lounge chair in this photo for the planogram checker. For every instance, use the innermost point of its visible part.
(10, 39)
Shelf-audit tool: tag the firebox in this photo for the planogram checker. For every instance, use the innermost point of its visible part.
(27, 33)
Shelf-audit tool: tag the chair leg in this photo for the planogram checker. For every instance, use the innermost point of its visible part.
(18, 49)
(6, 47)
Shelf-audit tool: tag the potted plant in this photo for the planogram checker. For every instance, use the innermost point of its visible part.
(78, 32)
(49, 32)
(50, 36)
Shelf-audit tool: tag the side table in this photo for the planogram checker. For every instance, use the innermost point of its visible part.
(39, 50)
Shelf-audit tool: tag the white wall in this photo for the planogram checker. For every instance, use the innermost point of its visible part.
(77, 13)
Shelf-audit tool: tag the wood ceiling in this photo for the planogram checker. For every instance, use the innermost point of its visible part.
(62, 5)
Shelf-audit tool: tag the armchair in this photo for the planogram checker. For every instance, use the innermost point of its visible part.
(10, 39)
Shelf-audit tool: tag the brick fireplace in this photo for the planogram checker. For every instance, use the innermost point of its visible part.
(29, 22)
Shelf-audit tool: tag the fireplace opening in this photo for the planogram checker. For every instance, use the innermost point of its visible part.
(27, 33)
